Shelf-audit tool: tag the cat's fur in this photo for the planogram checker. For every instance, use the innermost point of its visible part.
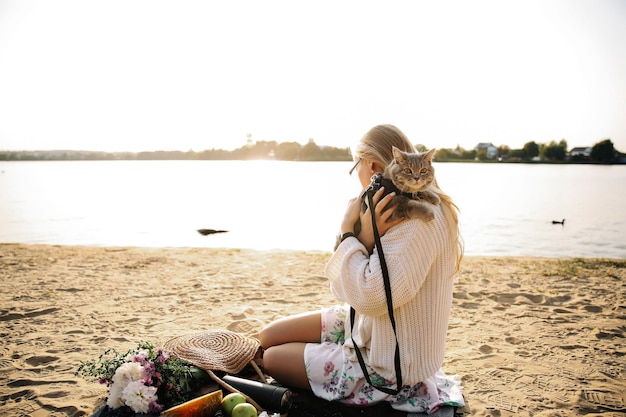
(412, 174)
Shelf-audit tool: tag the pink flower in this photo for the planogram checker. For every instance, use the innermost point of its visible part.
(154, 408)
(161, 356)
(148, 372)
(328, 368)
(140, 357)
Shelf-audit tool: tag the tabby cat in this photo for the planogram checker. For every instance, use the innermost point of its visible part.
(412, 174)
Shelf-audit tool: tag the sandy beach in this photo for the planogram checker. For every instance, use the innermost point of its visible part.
(528, 336)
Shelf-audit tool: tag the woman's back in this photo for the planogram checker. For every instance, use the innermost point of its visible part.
(421, 269)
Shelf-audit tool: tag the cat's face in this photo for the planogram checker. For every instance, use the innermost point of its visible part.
(411, 172)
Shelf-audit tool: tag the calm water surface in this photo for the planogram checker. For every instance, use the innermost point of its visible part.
(507, 209)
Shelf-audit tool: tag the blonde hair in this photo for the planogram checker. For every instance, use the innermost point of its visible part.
(376, 146)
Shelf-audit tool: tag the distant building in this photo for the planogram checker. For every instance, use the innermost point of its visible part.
(580, 152)
(492, 150)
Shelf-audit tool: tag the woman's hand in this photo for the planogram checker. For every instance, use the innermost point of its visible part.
(351, 216)
(382, 224)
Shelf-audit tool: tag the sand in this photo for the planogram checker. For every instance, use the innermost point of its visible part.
(528, 336)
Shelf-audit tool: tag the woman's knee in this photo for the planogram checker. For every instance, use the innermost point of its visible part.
(285, 363)
(271, 358)
(304, 327)
(269, 336)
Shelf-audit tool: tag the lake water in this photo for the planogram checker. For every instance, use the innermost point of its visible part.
(506, 209)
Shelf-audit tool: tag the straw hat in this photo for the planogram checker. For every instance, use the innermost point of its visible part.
(215, 350)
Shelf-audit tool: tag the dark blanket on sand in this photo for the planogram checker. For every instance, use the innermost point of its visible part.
(305, 404)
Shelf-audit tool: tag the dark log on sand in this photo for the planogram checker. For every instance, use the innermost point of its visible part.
(205, 232)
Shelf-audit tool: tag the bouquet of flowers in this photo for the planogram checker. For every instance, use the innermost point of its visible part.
(143, 380)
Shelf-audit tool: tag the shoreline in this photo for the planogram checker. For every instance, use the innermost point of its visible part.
(528, 336)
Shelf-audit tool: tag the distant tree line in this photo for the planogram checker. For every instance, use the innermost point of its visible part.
(286, 151)
(602, 152)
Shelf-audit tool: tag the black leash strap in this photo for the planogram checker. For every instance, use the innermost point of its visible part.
(383, 266)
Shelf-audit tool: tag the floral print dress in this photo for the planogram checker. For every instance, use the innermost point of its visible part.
(334, 377)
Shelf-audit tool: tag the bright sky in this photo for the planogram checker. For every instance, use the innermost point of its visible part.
(124, 75)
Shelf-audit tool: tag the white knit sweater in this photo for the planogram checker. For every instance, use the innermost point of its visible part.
(421, 260)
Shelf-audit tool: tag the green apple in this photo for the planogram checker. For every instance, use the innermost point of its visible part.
(230, 401)
(244, 410)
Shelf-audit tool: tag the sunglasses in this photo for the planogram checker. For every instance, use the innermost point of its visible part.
(354, 167)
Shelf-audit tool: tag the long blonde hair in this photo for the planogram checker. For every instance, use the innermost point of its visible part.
(376, 146)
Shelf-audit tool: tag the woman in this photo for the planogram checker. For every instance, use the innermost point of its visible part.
(422, 259)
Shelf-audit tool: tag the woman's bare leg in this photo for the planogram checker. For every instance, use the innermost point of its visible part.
(283, 342)
(305, 327)
(285, 363)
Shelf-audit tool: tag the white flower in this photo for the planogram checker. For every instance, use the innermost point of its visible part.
(115, 395)
(128, 372)
(138, 396)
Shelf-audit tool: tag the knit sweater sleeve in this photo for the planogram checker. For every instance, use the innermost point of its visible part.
(356, 277)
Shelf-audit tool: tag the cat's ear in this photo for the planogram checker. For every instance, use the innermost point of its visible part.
(428, 157)
(398, 155)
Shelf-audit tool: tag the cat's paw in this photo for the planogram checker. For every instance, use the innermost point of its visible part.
(431, 198)
(421, 211)
(428, 217)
